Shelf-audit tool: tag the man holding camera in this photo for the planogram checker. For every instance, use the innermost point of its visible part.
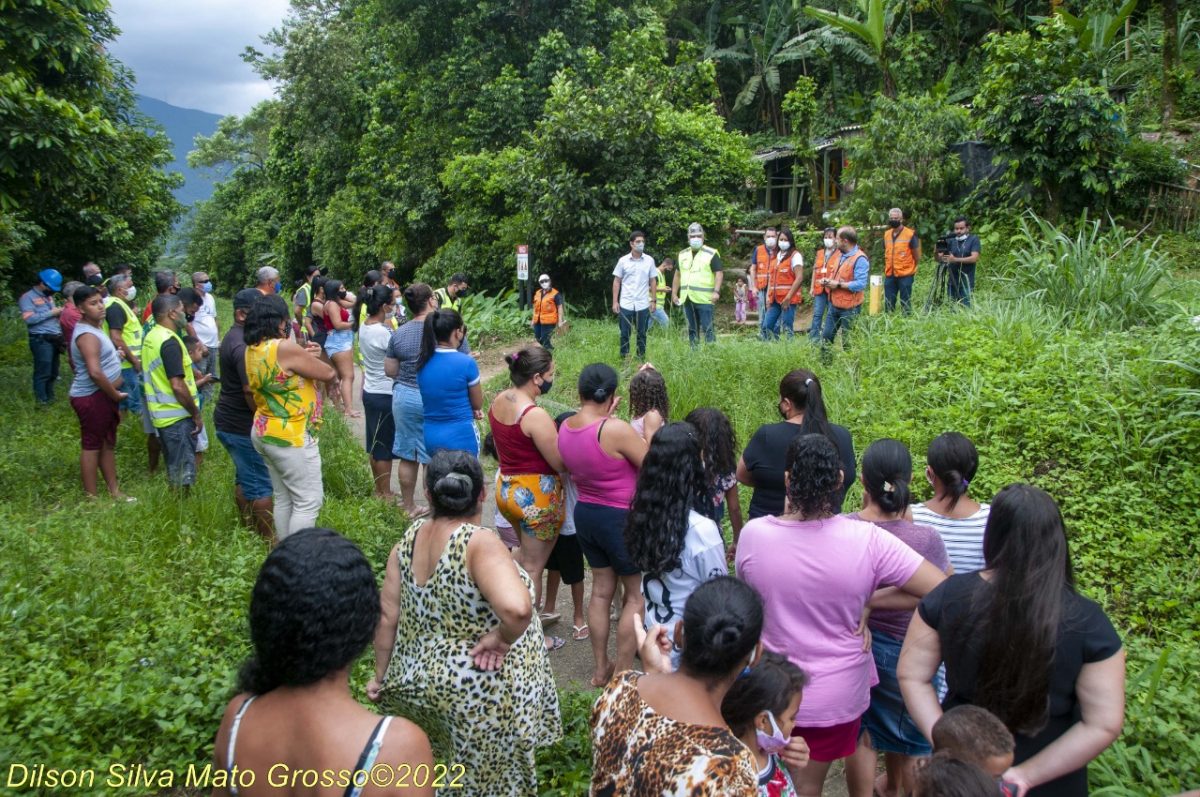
(901, 252)
(960, 262)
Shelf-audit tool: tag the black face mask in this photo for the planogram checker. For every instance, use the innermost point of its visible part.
(461, 292)
(341, 294)
(546, 385)
(894, 223)
(95, 280)
(190, 317)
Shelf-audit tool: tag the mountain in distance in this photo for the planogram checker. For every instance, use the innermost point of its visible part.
(182, 126)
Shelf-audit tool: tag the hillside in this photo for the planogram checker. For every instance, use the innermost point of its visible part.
(182, 126)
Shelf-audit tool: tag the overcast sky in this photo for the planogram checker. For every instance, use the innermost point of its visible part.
(188, 52)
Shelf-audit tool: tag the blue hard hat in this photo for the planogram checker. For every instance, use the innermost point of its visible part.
(52, 278)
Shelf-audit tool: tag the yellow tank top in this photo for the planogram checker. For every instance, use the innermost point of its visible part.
(288, 406)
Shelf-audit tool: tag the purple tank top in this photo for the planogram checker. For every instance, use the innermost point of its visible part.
(600, 478)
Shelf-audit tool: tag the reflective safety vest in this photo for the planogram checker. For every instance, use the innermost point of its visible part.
(306, 289)
(898, 260)
(823, 266)
(696, 277)
(131, 333)
(545, 308)
(445, 302)
(844, 298)
(165, 409)
(783, 273)
(762, 266)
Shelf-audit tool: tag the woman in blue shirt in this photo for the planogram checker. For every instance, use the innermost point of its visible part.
(451, 392)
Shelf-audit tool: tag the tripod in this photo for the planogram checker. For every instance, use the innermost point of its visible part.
(940, 286)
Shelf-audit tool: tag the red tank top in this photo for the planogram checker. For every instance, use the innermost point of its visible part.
(518, 453)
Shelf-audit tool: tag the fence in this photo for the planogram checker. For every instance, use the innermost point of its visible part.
(1176, 207)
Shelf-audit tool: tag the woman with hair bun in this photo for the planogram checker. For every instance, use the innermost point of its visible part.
(529, 492)
(468, 663)
(887, 726)
(313, 611)
(817, 572)
(663, 732)
(951, 462)
(603, 455)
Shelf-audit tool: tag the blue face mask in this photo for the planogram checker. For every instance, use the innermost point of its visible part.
(207, 286)
(278, 287)
(775, 741)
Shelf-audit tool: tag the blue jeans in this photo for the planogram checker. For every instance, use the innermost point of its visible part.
(699, 317)
(627, 320)
(132, 387)
(249, 469)
(542, 333)
(45, 367)
(659, 317)
(776, 313)
(820, 307)
(961, 278)
(840, 318)
(898, 285)
(762, 313)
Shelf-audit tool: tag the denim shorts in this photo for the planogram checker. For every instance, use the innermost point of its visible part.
(250, 470)
(179, 449)
(887, 720)
(338, 341)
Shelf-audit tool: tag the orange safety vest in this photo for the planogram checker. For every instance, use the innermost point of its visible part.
(843, 271)
(545, 310)
(898, 260)
(823, 265)
(783, 274)
(762, 266)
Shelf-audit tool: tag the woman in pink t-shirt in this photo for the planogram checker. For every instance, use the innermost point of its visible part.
(816, 573)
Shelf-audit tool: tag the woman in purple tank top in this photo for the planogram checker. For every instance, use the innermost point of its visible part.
(603, 455)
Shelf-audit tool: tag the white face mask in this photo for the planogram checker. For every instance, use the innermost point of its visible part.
(770, 242)
(962, 237)
(545, 285)
(696, 243)
(131, 294)
(639, 247)
(829, 242)
(784, 246)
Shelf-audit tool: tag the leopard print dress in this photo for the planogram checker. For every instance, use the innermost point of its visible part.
(637, 752)
(489, 722)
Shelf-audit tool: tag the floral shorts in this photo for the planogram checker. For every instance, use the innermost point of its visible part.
(532, 502)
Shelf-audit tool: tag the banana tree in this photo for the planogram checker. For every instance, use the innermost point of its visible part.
(873, 26)
(762, 45)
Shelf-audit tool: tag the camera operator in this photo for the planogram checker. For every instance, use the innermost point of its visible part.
(960, 262)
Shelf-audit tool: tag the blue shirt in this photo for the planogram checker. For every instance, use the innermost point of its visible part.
(862, 270)
(37, 310)
(449, 417)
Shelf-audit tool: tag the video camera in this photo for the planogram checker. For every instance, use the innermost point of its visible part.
(942, 245)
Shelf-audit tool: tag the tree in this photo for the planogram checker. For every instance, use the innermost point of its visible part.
(763, 43)
(874, 28)
(1170, 55)
(81, 174)
(1058, 133)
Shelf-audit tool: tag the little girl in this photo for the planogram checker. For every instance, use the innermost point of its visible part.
(718, 452)
(740, 296)
(648, 402)
(760, 708)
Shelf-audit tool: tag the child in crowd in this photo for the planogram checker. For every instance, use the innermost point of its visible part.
(760, 708)
(718, 452)
(198, 351)
(978, 737)
(740, 297)
(566, 560)
(648, 402)
(943, 775)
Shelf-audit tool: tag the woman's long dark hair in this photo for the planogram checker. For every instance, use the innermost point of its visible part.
(1019, 615)
(374, 299)
(887, 473)
(669, 485)
(266, 319)
(370, 280)
(417, 297)
(648, 391)
(332, 289)
(953, 459)
(439, 326)
(718, 443)
(803, 389)
(813, 468)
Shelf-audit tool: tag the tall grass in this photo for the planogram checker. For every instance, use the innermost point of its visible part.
(1101, 276)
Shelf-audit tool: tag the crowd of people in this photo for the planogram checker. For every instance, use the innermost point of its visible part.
(840, 635)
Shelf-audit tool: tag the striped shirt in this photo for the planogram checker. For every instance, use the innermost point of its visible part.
(963, 536)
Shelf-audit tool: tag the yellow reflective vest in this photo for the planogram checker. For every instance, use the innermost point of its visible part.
(165, 409)
(696, 277)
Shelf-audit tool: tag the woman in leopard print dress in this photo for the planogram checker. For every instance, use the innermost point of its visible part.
(467, 664)
(662, 733)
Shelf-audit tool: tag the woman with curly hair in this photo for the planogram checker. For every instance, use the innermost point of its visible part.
(718, 451)
(648, 403)
(313, 611)
(817, 572)
(676, 548)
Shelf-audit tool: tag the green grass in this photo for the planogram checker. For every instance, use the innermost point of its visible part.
(125, 625)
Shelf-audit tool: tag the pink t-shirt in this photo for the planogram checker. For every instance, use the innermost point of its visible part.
(815, 577)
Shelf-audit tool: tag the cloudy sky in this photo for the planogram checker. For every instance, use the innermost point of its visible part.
(187, 52)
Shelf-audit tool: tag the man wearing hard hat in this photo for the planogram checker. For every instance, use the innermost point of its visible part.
(45, 334)
(697, 284)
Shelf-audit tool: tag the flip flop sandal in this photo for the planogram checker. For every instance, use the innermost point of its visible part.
(549, 618)
(580, 633)
(556, 643)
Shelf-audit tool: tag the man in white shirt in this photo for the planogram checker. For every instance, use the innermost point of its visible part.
(635, 282)
(205, 322)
